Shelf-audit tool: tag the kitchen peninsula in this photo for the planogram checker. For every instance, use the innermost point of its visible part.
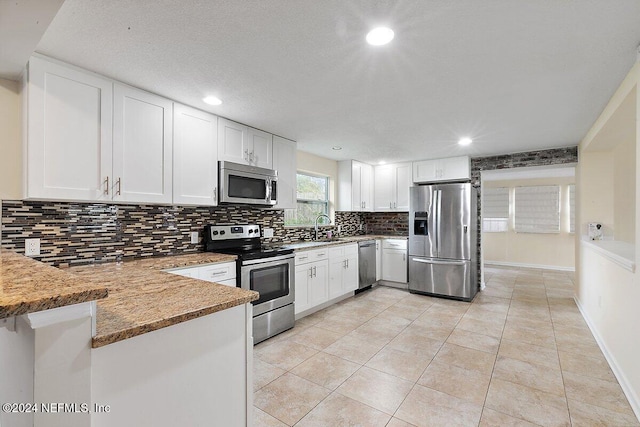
(127, 337)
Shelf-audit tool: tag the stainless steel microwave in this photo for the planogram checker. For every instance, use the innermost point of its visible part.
(247, 185)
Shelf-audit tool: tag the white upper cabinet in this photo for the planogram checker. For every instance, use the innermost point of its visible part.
(233, 141)
(142, 146)
(241, 144)
(391, 185)
(449, 169)
(195, 157)
(285, 162)
(69, 140)
(355, 186)
(261, 148)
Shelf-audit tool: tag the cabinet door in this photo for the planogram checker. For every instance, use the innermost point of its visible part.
(142, 146)
(378, 260)
(285, 162)
(195, 157)
(260, 148)
(456, 168)
(319, 284)
(350, 275)
(366, 187)
(69, 125)
(303, 276)
(357, 203)
(426, 171)
(233, 141)
(383, 188)
(336, 270)
(394, 265)
(402, 182)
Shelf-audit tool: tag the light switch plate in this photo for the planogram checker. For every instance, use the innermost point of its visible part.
(31, 247)
(194, 237)
(268, 232)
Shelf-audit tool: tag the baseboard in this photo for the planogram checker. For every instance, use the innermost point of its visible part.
(633, 399)
(523, 265)
(323, 305)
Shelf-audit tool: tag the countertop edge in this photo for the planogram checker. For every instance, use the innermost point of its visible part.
(617, 255)
(51, 302)
(110, 338)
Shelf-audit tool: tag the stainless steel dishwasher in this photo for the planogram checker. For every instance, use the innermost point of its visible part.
(366, 264)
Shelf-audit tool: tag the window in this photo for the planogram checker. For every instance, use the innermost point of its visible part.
(495, 209)
(572, 208)
(537, 209)
(313, 200)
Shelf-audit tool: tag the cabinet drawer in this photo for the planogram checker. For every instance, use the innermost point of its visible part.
(394, 244)
(217, 272)
(311, 256)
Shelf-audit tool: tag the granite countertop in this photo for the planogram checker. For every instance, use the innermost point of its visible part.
(27, 286)
(143, 298)
(307, 245)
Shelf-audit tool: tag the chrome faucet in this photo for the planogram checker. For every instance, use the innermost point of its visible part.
(316, 226)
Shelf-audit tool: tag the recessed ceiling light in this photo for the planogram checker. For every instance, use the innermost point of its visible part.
(382, 162)
(212, 100)
(336, 148)
(379, 36)
(465, 141)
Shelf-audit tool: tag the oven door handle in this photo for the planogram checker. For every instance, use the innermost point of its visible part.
(267, 260)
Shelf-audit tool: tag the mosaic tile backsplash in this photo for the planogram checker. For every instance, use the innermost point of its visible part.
(83, 233)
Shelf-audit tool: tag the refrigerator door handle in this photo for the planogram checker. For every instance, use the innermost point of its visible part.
(440, 262)
(438, 219)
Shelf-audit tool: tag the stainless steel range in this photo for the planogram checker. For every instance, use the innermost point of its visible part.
(267, 270)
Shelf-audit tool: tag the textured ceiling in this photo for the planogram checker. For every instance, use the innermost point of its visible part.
(513, 75)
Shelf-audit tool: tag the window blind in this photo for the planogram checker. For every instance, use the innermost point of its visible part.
(572, 208)
(495, 209)
(537, 209)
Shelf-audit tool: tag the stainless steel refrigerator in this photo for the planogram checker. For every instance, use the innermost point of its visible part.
(442, 240)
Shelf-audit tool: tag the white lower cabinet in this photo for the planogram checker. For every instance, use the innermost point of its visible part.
(394, 260)
(312, 279)
(222, 273)
(343, 270)
(378, 259)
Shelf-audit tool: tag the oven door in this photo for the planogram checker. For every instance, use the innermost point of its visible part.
(245, 188)
(273, 278)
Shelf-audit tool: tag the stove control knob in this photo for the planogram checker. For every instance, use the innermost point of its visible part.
(256, 230)
(215, 233)
(250, 230)
(222, 232)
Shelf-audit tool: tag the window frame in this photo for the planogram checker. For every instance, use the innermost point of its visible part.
(326, 202)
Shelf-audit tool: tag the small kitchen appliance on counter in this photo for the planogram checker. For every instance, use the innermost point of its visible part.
(264, 269)
(595, 231)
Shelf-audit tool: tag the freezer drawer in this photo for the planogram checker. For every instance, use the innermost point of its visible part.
(450, 278)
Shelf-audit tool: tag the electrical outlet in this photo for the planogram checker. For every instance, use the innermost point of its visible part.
(361, 226)
(194, 237)
(268, 232)
(339, 229)
(31, 247)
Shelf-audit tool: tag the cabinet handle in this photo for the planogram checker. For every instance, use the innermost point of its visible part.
(344, 264)
(303, 257)
(106, 186)
(395, 205)
(215, 194)
(347, 263)
(119, 184)
(404, 257)
(315, 271)
(218, 273)
(246, 155)
(310, 271)
(251, 157)
(322, 254)
(390, 205)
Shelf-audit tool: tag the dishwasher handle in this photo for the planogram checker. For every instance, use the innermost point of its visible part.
(366, 245)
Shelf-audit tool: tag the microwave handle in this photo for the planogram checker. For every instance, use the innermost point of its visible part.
(267, 182)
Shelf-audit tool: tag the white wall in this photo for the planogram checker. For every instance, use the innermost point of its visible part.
(531, 249)
(607, 183)
(10, 140)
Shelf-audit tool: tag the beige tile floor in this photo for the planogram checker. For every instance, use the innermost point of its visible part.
(519, 355)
